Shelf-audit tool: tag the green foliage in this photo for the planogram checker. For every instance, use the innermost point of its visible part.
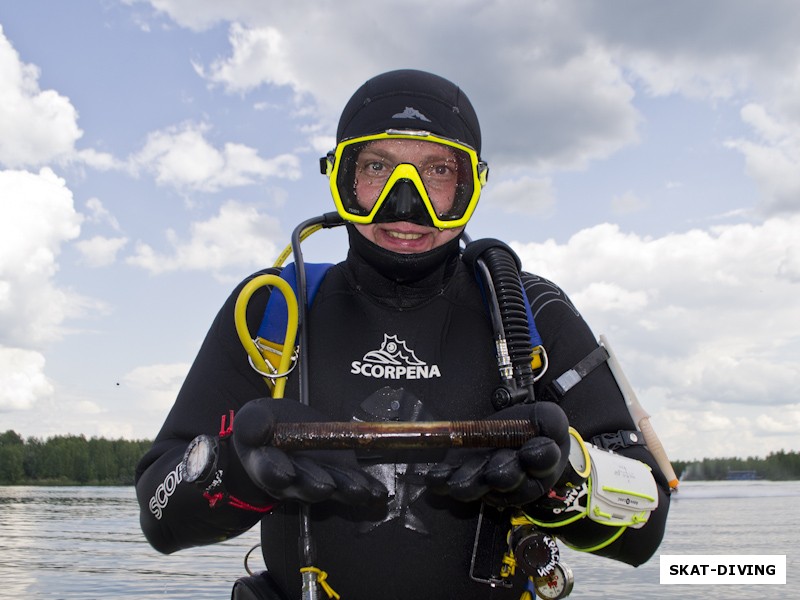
(12, 453)
(777, 466)
(68, 460)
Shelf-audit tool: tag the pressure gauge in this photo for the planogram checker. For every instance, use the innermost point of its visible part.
(558, 584)
(536, 552)
(200, 459)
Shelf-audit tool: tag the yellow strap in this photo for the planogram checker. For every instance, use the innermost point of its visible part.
(520, 519)
(321, 577)
(599, 513)
(509, 565)
(614, 490)
(536, 357)
(601, 545)
(527, 595)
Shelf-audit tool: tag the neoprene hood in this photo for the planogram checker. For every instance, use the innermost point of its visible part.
(410, 99)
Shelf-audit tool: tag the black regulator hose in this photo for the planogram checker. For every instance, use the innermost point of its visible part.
(306, 545)
(496, 260)
(326, 220)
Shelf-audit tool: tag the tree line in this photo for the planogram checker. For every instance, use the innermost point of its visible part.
(777, 466)
(68, 460)
(75, 460)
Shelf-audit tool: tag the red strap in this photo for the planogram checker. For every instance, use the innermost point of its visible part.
(553, 495)
(236, 503)
(219, 499)
(225, 432)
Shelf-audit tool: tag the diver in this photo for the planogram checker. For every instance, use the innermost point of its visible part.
(400, 332)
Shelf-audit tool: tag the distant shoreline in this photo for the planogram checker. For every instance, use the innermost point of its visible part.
(77, 461)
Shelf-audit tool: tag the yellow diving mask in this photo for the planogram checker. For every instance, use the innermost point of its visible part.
(404, 175)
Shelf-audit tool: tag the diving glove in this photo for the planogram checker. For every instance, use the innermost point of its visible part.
(307, 476)
(507, 477)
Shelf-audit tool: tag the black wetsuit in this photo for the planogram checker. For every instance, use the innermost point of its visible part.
(418, 350)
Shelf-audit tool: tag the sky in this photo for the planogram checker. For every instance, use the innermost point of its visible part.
(644, 155)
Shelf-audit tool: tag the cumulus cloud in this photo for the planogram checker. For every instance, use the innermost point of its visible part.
(239, 236)
(36, 126)
(258, 56)
(102, 161)
(699, 283)
(700, 318)
(745, 54)
(182, 157)
(610, 297)
(585, 114)
(37, 217)
(100, 251)
(198, 14)
(787, 421)
(22, 378)
(134, 408)
(721, 51)
(99, 214)
(773, 159)
(157, 385)
(566, 93)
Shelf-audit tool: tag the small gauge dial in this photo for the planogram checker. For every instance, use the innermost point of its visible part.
(556, 585)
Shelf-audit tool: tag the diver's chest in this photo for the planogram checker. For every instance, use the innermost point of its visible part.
(433, 362)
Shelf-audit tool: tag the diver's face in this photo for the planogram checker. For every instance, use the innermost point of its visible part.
(437, 169)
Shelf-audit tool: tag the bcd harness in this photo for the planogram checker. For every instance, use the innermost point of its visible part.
(595, 490)
(272, 331)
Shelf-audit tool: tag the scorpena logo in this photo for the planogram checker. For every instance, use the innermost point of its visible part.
(393, 360)
(411, 113)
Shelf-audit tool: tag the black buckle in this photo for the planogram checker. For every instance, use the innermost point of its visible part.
(621, 439)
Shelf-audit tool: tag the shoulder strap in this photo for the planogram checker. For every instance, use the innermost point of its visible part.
(273, 324)
(536, 339)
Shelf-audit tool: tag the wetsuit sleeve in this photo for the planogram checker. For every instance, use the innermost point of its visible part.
(174, 514)
(594, 406)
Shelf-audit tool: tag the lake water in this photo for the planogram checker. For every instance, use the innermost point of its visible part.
(85, 543)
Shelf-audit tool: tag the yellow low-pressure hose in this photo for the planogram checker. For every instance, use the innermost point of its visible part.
(276, 382)
(240, 319)
(288, 250)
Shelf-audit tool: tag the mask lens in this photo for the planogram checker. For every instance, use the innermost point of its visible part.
(347, 179)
